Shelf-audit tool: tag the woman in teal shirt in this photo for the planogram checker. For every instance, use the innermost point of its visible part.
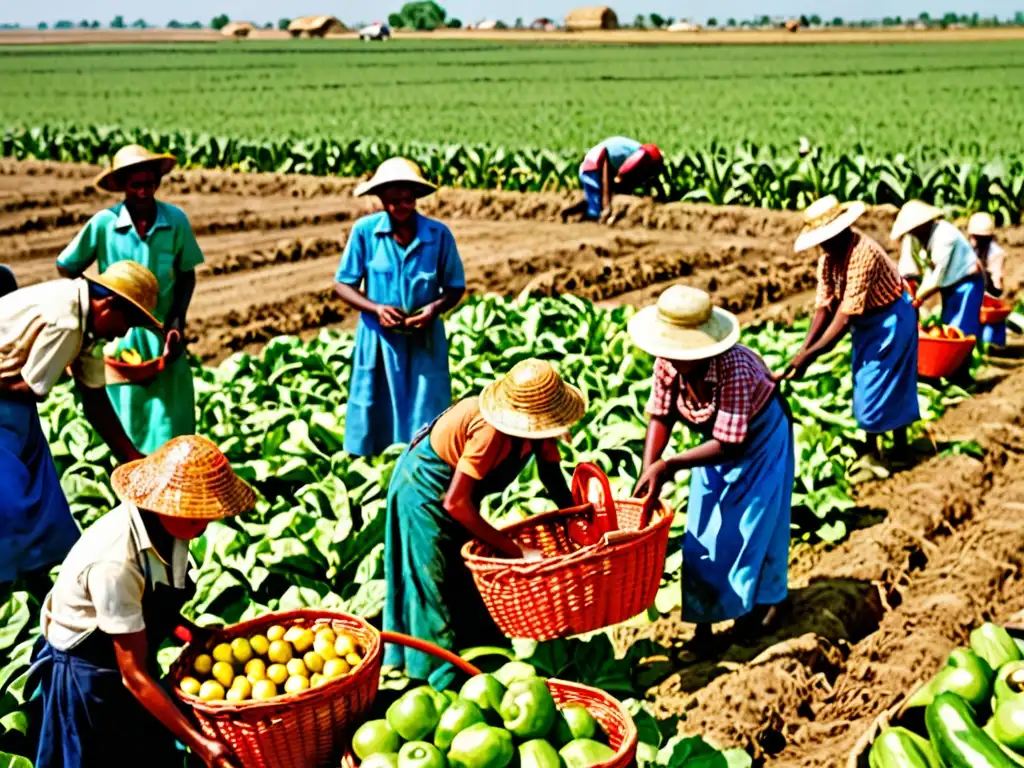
(158, 236)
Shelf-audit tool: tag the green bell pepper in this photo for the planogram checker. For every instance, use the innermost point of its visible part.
(958, 741)
(900, 748)
(1008, 723)
(538, 753)
(990, 730)
(965, 674)
(515, 671)
(994, 645)
(420, 754)
(1009, 682)
(380, 760)
(441, 701)
(583, 753)
(481, 746)
(373, 737)
(486, 692)
(528, 710)
(575, 722)
(457, 718)
(413, 716)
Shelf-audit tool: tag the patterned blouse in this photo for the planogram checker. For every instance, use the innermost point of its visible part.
(741, 385)
(868, 279)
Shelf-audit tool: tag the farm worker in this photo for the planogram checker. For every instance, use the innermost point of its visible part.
(860, 290)
(44, 329)
(411, 274)
(981, 229)
(158, 236)
(617, 164)
(475, 448)
(736, 546)
(118, 597)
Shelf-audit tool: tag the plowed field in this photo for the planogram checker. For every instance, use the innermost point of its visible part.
(868, 618)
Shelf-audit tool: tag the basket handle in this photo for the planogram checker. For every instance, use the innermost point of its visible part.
(397, 638)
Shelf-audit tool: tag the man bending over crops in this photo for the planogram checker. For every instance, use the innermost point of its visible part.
(44, 329)
(619, 165)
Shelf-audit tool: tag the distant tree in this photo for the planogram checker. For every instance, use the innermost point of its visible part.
(815, 20)
(395, 20)
(804, 21)
(731, 23)
(63, 25)
(925, 17)
(657, 20)
(282, 24)
(499, 24)
(454, 23)
(174, 24)
(42, 26)
(220, 21)
(83, 24)
(95, 24)
(712, 22)
(639, 22)
(117, 22)
(195, 25)
(268, 25)
(140, 24)
(1018, 18)
(837, 21)
(422, 15)
(519, 22)
(670, 20)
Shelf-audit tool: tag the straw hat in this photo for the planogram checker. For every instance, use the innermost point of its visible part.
(188, 477)
(132, 282)
(532, 401)
(981, 225)
(912, 215)
(826, 218)
(397, 170)
(128, 157)
(684, 326)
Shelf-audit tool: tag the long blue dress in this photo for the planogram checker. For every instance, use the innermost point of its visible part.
(400, 380)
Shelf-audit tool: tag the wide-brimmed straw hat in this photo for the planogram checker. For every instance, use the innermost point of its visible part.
(128, 157)
(134, 283)
(188, 477)
(397, 170)
(912, 215)
(981, 225)
(683, 325)
(532, 402)
(826, 218)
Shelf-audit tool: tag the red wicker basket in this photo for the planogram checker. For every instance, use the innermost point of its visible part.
(572, 590)
(302, 730)
(994, 311)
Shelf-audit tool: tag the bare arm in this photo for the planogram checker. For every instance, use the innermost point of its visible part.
(389, 317)
(606, 184)
(450, 297)
(458, 503)
(100, 414)
(834, 332)
(554, 482)
(823, 318)
(655, 475)
(184, 287)
(659, 430)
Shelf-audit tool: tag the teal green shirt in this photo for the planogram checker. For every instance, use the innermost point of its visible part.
(155, 412)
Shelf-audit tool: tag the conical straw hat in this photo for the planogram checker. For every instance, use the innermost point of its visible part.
(826, 218)
(187, 477)
(981, 225)
(129, 156)
(912, 215)
(683, 325)
(532, 401)
(396, 170)
(135, 284)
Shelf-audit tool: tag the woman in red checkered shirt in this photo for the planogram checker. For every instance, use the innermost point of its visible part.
(736, 547)
(860, 290)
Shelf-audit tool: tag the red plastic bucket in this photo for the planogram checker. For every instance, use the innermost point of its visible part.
(938, 358)
(994, 311)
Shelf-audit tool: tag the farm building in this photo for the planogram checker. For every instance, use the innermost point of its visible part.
(792, 25)
(591, 17)
(315, 26)
(237, 29)
(543, 25)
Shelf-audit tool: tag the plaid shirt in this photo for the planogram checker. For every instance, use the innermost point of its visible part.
(868, 279)
(740, 386)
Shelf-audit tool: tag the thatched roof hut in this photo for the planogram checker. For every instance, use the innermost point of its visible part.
(237, 29)
(591, 17)
(315, 26)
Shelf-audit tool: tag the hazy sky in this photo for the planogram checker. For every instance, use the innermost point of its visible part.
(475, 10)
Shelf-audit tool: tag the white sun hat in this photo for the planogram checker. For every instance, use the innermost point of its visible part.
(912, 215)
(981, 225)
(397, 170)
(826, 218)
(683, 325)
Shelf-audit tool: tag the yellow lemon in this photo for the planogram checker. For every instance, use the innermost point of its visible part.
(223, 673)
(203, 664)
(260, 645)
(256, 670)
(236, 695)
(297, 669)
(131, 356)
(324, 646)
(211, 690)
(292, 633)
(335, 668)
(296, 684)
(280, 652)
(344, 645)
(313, 661)
(222, 653)
(317, 680)
(241, 650)
(242, 684)
(264, 689)
(301, 638)
(353, 659)
(276, 632)
(190, 686)
(277, 673)
(326, 634)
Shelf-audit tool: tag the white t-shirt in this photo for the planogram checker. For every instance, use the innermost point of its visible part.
(947, 257)
(42, 332)
(102, 580)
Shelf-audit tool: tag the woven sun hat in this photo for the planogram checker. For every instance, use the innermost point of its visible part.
(826, 218)
(134, 283)
(912, 215)
(128, 157)
(981, 225)
(397, 170)
(187, 477)
(683, 325)
(532, 402)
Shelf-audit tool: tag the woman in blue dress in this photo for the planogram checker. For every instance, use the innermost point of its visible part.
(617, 164)
(402, 272)
(981, 229)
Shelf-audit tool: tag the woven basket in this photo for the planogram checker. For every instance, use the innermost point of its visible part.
(301, 730)
(572, 590)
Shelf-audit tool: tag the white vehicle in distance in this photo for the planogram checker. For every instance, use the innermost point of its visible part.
(376, 31)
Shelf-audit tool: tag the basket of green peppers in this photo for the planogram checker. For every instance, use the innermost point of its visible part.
(969, 715)
(511, 717)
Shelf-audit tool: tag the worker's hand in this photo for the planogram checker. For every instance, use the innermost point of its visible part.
(423, 317)
(606, 216)
(390, 317)
(652, 481)
(217, 755)
(916, 303)
(174, 345)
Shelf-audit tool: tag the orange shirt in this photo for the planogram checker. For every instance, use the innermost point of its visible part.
(468, 444)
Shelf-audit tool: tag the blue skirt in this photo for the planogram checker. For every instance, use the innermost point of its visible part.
(591, 182)
(736, 547)
(961, 305)
(994, 334)
(36, 526)
(885, 367)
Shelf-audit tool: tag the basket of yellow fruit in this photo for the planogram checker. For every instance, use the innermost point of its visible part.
(280, 690)
(127, 366)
